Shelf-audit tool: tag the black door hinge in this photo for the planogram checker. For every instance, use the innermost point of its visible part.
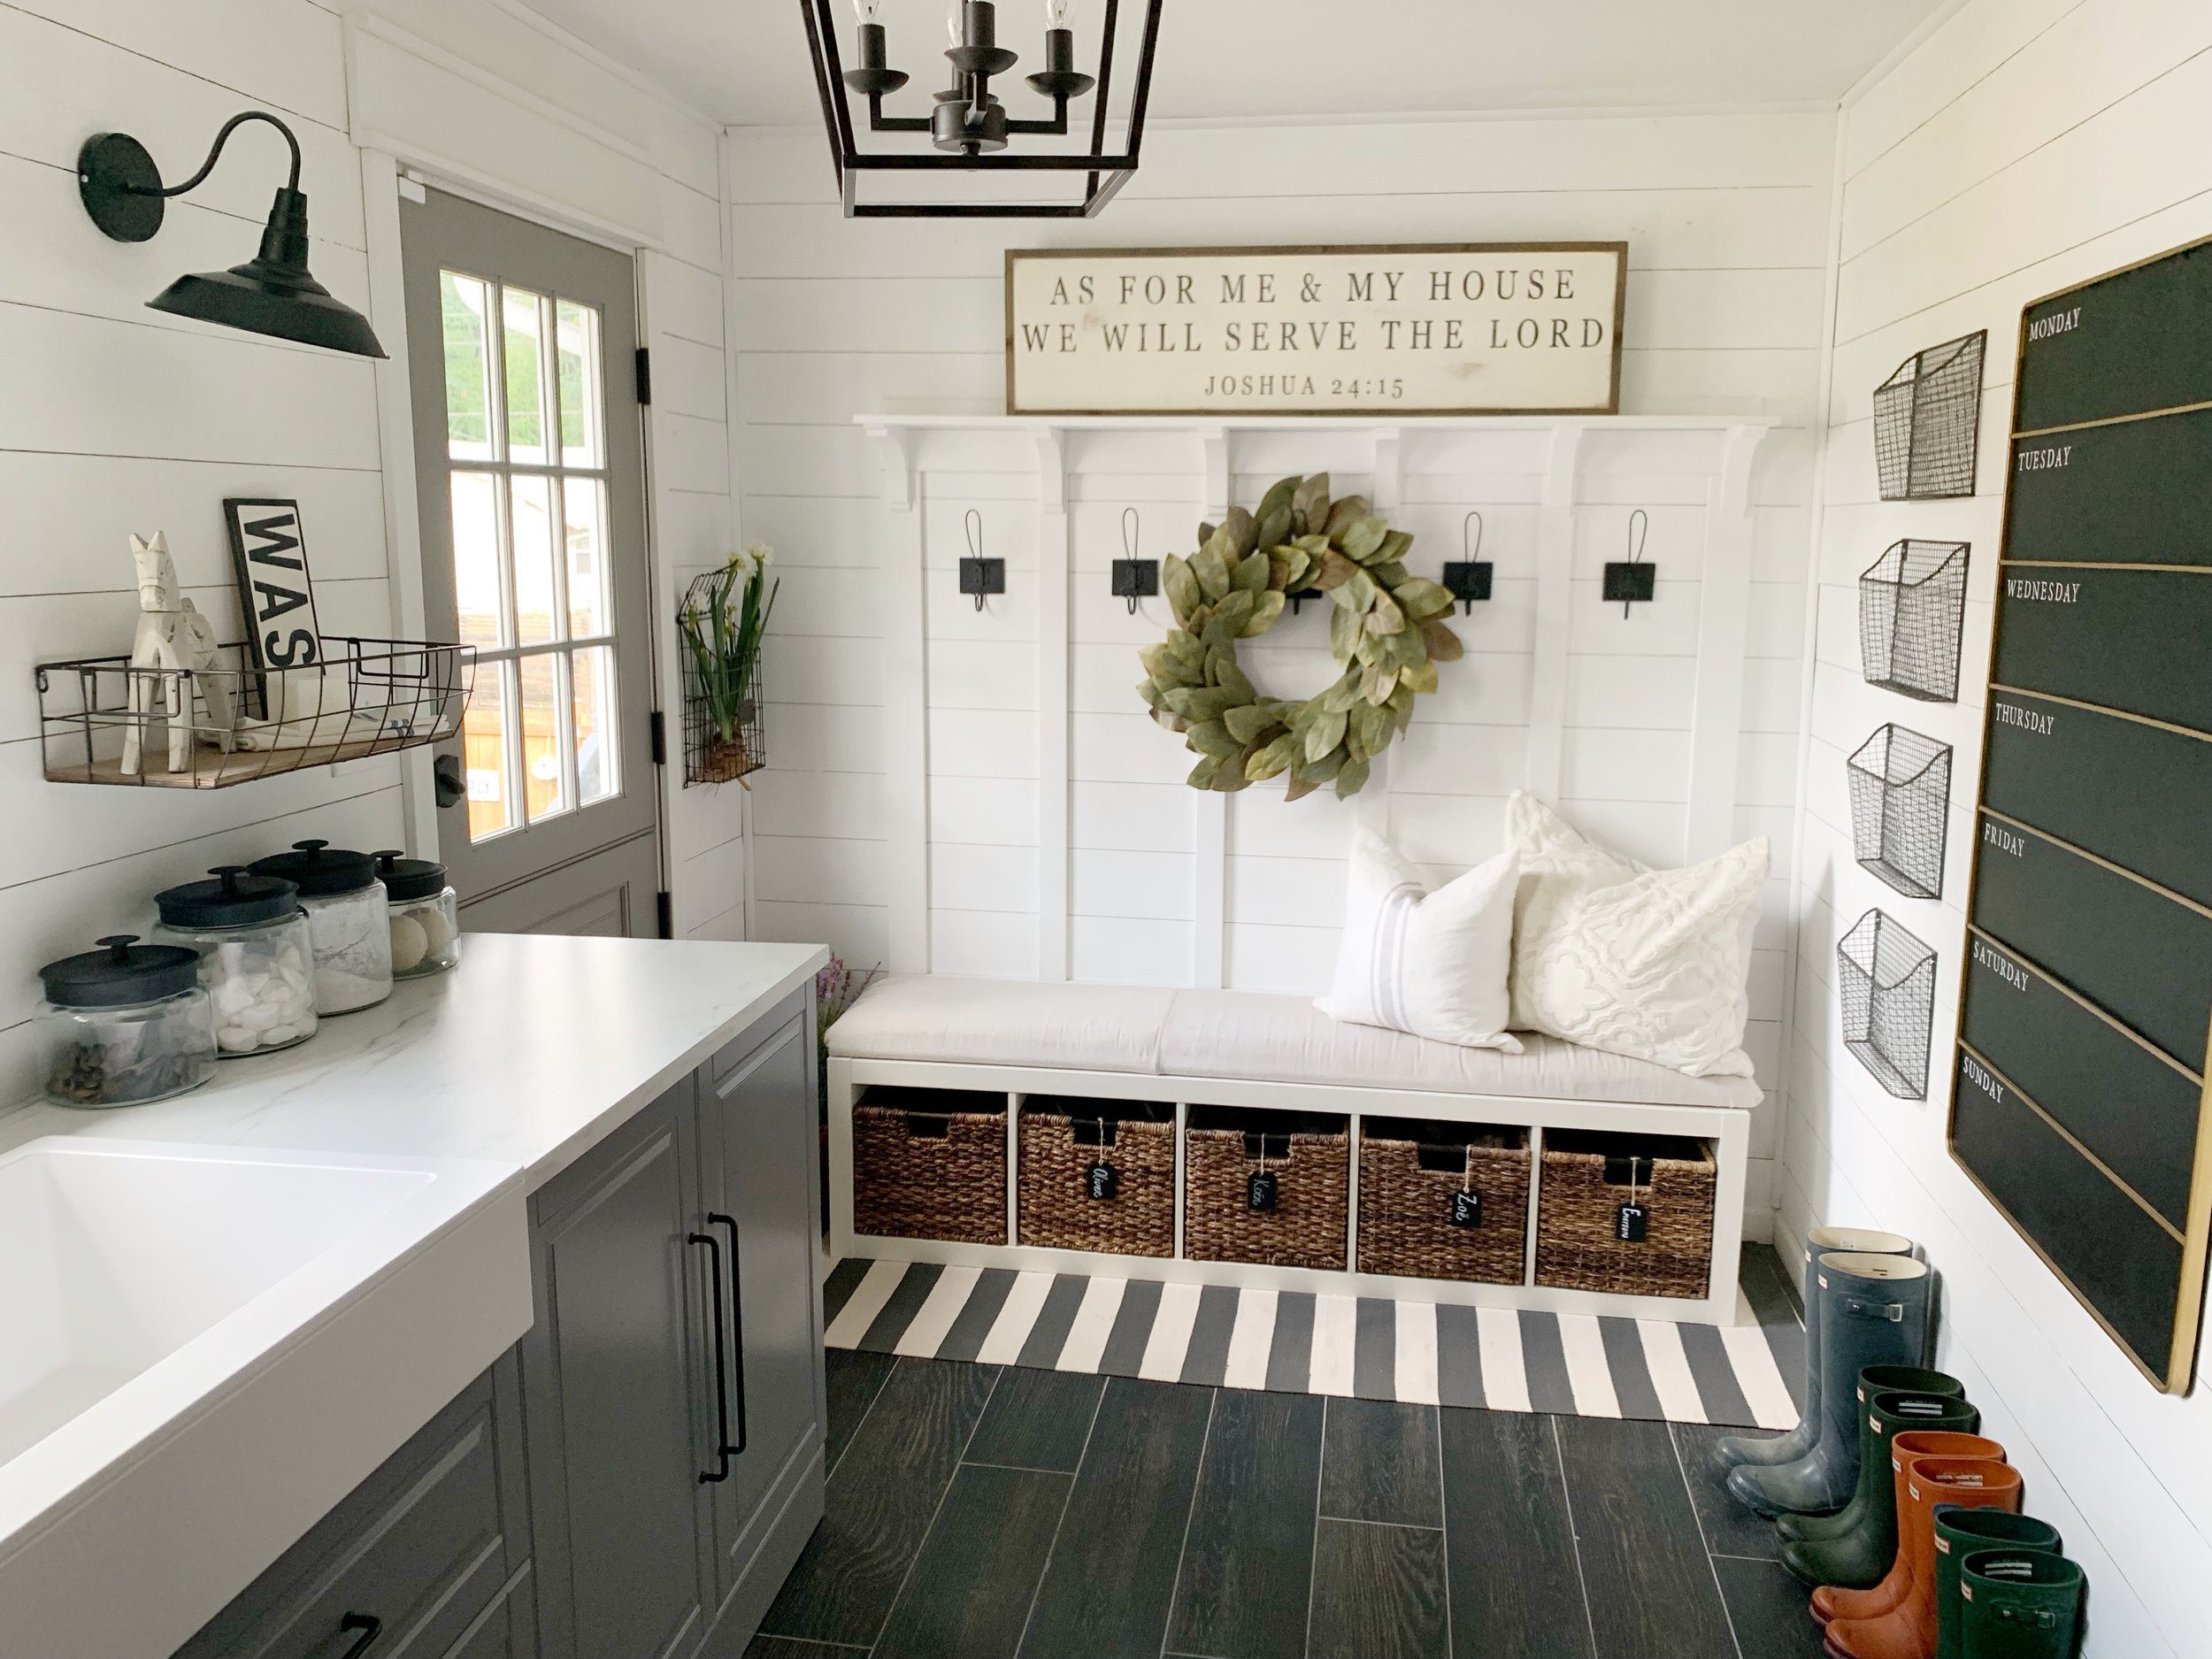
(659, 738)
(644, 376)
(665, 914)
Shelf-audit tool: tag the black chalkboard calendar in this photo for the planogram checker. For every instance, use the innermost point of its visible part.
(2078, 1098)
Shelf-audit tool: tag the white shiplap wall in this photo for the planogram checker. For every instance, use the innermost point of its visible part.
(1727, 219)
(2026, 145)
(114, 418)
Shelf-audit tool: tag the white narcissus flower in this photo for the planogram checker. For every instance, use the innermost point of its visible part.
(760, 553)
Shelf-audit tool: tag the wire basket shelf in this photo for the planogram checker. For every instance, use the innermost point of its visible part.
(1912, 607)
(1900, 793)
(102, 721)
(1887, 979)
(1927, 422)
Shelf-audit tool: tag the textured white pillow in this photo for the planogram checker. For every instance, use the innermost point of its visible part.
(1650, 964)
(1430, 963)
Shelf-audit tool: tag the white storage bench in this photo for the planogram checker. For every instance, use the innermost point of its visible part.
(952, 1052)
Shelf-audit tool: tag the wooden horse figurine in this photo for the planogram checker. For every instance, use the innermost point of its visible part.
(170, 661)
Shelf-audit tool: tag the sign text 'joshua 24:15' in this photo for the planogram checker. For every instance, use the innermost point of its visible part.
(1481, 329)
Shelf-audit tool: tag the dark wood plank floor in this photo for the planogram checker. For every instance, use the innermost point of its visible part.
(990, 1513)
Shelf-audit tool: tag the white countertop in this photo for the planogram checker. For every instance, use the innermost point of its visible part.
(527, 1054)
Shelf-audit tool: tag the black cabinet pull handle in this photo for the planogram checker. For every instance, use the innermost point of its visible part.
(721, 1365)
(370, 1626)
(737, 1322)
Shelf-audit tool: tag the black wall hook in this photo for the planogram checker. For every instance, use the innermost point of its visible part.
(980, 576)
(1632, 581)
(1465, 578)
(1134, 579)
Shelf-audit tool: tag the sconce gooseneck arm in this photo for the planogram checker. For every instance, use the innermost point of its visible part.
(215, 153)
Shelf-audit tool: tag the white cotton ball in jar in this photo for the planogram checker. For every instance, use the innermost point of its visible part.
(437, 931)
(410, 944)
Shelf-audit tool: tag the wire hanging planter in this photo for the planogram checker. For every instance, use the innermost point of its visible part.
(722, 623)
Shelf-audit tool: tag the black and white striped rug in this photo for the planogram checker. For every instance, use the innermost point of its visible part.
(1376, 1348)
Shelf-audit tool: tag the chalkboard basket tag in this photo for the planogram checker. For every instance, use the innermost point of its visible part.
(1927, 418)
(1261, 1190)
(1102, 1180)
(1466, 1207)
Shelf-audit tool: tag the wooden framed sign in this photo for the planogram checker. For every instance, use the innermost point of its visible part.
(1483, 329)
(2079, 1104)
(269, 550)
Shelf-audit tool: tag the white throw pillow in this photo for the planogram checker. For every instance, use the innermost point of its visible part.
(1651, 963)
(1430, 963)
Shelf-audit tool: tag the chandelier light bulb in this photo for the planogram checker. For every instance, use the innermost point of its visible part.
(953, 21)
(868, 10)
(1060, 14)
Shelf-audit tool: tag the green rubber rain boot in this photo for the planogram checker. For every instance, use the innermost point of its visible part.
(1875, 1380)
(2019, 1604)
(1860, 1560)
(1961, 1533)
(1874, 1313)
(1788, 1448)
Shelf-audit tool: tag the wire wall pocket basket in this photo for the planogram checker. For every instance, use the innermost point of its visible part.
(1900, 793)
(1912, 605)
(1927, 419)
(1888, 983)
(723, 734)
(103, 721)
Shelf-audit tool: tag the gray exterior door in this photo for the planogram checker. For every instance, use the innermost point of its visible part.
(617, 1396)
(760, 1146)
(529, 469)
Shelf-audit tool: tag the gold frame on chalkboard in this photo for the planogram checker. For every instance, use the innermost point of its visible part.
(2179, 1371)
(1611, 406)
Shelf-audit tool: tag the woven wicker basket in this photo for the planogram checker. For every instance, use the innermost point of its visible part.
(1408, 1173)
(930, 1164)
(1060, 1138)
(1585, 1180)
(1310, 1158)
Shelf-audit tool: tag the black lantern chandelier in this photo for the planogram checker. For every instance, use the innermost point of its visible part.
(968, 129)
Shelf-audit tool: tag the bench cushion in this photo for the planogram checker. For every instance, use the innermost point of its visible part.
(1005, 1022)
(1231, 1034)
(1287, 1040)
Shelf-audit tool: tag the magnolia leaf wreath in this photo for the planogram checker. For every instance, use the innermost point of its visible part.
(1386, 631)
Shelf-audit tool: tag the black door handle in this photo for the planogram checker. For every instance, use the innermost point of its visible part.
(721, 1365)
(737, 1322)
(446, 780)
(370, 1626)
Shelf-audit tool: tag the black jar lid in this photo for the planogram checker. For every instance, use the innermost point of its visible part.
(318, 870)
(234, 899)
(122, 973)
(406, 878)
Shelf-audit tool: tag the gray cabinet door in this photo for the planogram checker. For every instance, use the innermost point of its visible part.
(758, 1111)
(612, 1374)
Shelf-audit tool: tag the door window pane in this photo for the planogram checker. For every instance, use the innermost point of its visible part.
(486, 752)
(537, 609)
(524, 343)
(585, 500)
(581, 403)
(478, 559)
(597, 773)
(544, 771)
(465, 306)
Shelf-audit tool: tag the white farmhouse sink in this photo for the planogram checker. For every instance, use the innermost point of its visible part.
(202, 1349)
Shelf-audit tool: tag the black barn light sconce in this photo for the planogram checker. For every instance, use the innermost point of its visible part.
(969, 130)
(271, 294)
(980, 576)
(1134, 579)
(1632, 581)
(1467, 579)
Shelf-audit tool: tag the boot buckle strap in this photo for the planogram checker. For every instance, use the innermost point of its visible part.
(1894, 1312)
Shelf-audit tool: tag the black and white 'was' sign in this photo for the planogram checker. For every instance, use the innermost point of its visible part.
(270, 551)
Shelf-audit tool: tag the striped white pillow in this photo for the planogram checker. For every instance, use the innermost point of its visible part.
(1433, 964)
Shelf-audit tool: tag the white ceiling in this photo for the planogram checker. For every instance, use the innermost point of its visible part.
(744, 61)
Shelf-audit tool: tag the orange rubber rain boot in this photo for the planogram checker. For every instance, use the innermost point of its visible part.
(1908, 1631)
(1834, 1602)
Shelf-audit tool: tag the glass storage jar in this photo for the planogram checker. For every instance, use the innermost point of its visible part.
(345, 909)
(124, 1025)
(425, 915)
(257, 956)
